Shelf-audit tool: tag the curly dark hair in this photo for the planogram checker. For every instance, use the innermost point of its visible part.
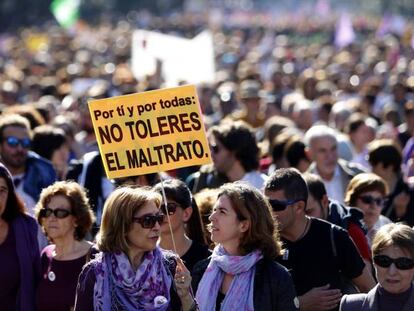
(79, 202)
(239, 138)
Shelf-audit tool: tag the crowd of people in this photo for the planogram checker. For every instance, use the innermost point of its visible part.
(308, 202)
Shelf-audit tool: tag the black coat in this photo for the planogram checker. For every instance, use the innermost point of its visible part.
(273, 286)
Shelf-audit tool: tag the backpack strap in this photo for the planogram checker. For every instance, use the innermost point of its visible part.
(347, 287)
(333, 245)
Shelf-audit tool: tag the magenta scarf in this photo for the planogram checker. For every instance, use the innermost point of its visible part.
(240, 294)
(117, 284)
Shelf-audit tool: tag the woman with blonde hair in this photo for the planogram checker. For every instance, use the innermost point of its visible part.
(241, 274)
(131, 272)
(393, 253)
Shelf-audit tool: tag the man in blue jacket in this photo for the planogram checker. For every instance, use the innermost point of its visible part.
(31, 173)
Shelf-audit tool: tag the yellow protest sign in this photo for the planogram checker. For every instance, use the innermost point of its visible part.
(150, 132)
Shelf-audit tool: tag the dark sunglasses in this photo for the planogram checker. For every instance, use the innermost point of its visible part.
(13, 141)
(368, 199)
(59, 212)
(171, 207)
(149, 221)
(215, 148)
(278, 206)
(402, 263)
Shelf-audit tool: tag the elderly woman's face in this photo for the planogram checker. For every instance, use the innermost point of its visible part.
(393, 279)
(60, 223)
(4, 192)
(371, 204)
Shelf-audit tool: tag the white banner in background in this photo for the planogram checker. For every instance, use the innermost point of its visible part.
(190, 60)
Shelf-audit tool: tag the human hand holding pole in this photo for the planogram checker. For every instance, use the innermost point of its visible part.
(182, 281)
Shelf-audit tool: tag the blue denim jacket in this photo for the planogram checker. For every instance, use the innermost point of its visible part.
(39, 174)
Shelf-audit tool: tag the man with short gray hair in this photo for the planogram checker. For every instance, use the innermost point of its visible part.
(322, 148)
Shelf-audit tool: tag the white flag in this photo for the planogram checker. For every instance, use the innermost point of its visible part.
(190, 60)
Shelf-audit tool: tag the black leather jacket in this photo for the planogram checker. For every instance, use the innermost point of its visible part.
(273, 286)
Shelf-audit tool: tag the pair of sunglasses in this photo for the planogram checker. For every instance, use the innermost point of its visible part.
(278, 206)
(149, 221)
(171, 207)
(58, 212)
(13, 142)
(402, 263)
(369, 199)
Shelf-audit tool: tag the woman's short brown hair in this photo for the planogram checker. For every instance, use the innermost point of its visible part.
(119, 210)
(392, 234)
(205, 200)
(250, 204)
(79, 204)
(362, 183)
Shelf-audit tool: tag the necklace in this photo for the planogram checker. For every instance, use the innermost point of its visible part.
(49, 274)
(305, 229)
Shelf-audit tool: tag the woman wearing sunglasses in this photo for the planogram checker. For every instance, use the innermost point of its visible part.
(64, 213)
(393, 253)
(131, 272)
(367, 192)
(185, 222)
(241, 274)
(19, 250)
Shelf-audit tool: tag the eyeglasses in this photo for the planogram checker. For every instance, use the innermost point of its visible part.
(215, 148)
(171, 207)
(402, 263)
(58, 212)
(13, 142)
(369, 199)
(149, 221)
(278, 206)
